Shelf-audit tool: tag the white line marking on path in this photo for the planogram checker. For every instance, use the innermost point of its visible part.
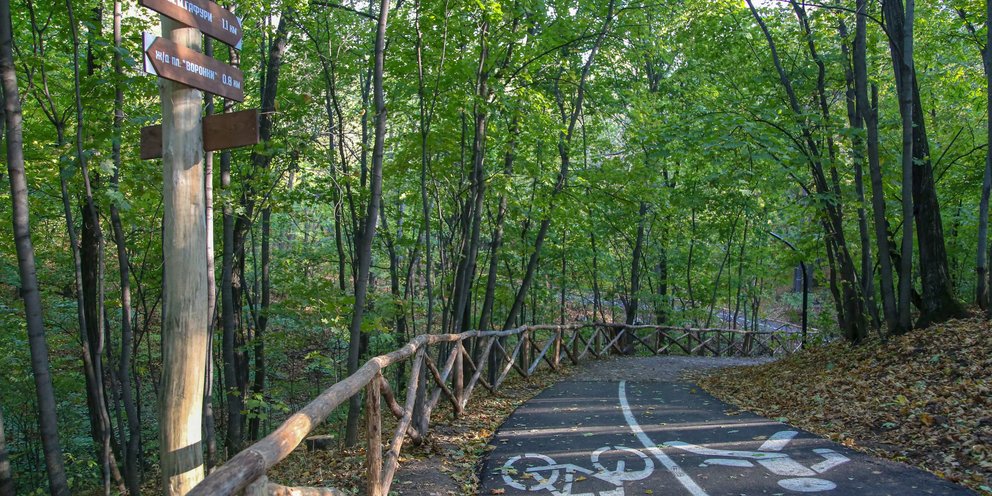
(778, 441)
(652, 448)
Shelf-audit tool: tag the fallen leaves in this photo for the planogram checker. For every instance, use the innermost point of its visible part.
(923, 398)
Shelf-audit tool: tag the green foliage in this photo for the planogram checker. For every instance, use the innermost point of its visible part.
(683, 113)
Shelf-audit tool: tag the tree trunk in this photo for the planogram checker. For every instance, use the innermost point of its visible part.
(938, 302)
(184, 289)
(988, 92)
(903, 66)
(485, 317)
(856, 121)
(209, 433)
(847, 297)
(564, 140)
(635, 267)
(47, 420)
(230, 317)
(6, 478)
(868, 111)
(132, 447)
(91, 265)
(371, 218)
(661, 308)
(262, 161)
(982, 296)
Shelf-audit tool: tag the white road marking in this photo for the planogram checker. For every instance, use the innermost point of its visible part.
(725, 462)
(701, 450)
(807, 485)
(545, 477)
(778, 441)
(652, 448)
(833, 459)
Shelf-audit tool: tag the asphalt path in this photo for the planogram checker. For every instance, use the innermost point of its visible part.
(621, 438)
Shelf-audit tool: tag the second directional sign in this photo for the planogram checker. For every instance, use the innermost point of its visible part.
(205, 15)
(171, 61)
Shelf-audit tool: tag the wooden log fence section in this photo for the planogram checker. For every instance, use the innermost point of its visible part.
(456, 379)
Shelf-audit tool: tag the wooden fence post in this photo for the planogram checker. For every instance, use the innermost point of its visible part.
(373, 455)
(458, 379)
(575, 344)
(525, 352)
(556, 357)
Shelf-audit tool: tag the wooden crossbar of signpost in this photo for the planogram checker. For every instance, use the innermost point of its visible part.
(220, 132)
(250, 466)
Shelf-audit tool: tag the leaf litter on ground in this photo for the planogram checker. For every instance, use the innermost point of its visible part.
(449, 459)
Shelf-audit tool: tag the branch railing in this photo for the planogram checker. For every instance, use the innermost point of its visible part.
(497, 354)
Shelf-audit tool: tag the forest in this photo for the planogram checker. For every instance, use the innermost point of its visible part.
(439, 166)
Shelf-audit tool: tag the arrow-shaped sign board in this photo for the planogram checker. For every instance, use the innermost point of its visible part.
(215, 21)
(169, 60)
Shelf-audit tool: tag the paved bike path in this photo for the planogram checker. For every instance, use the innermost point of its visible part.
(671, 438)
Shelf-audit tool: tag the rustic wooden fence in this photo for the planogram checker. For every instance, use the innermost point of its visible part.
(522, 350)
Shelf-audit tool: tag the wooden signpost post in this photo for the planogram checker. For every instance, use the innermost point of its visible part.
(180, 141)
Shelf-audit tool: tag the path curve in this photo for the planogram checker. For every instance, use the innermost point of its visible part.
(644, 430)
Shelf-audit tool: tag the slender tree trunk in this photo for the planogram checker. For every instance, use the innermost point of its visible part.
(92, 267)
(847, 296)
(635, 265)
(132, 453)
(661, 309)
(462, 294)
(938, 303)
(982, 296)
(868, 111)
(258, 386)
(904, 73)
(184, 298)
(209, 433)
(485, 317)
(858, 154)
(564, 279)
(726, 257)
(688, 264)
(230, 312)
(262, 161)
(988, 151)
(982, 291)
(564, 140)
(597, 304)
(6, 478)
(371, 217)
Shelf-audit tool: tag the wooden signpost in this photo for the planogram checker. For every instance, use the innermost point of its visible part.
(182, 65)
(181, 141)
(214, 20)
(169, 60)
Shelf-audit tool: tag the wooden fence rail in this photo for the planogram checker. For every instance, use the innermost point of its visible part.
(523, 350)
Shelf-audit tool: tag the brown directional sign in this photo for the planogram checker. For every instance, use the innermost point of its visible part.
(169, 60)
(214, 20)
(220, 132)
